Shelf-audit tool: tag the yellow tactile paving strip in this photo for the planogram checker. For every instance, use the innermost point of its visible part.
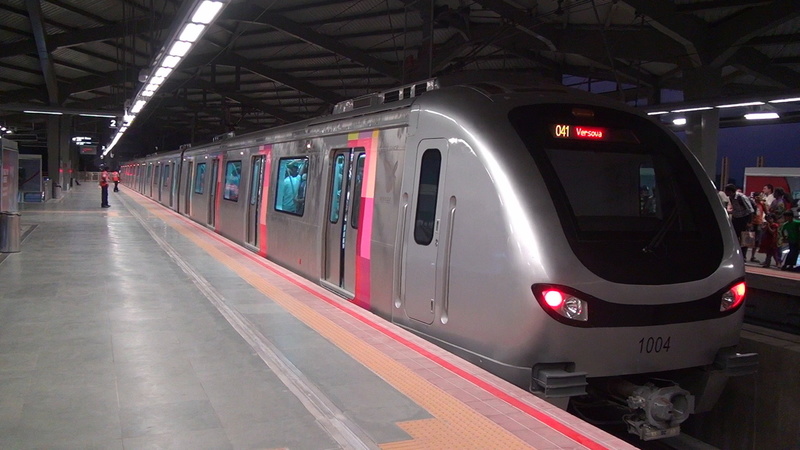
(455, 424)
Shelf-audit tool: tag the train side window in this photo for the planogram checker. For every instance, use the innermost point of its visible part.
(427, 196)
(336, 189)
(233, 175)
(199, 178)
(291, 185)
(359, 178)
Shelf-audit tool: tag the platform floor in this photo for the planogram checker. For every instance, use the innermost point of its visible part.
(132, 327)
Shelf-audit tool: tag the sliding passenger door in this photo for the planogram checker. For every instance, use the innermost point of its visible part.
(421, 232)
(254, 201)
(189, 189)
(341, 219)
(212, 193)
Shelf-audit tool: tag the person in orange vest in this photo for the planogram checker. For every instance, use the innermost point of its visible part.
(115, 179)
(104, 188)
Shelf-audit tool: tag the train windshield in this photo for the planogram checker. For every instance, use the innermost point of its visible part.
(629, 202)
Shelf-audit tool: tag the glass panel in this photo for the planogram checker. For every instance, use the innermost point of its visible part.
(199, 178)
(427, 196)
(291, 175)
(233, 175)
(165, 174)
(336, 189)
(255, 183)
(357, 190)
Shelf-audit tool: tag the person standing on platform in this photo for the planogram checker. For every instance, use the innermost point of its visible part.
(104, 188)
(115, 179)
(741, 211)
(790, 231)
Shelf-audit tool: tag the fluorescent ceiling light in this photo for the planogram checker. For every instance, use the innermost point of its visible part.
(171, 61)
(180, 48)
(52, 113)
(156, 81)
(138, 106)
(657, 113)
(784, 100)
(191, 32)
(734, 105)
(163, 72)
(679, 121)
(699, 108)
(106, 116)
(206, 12)
(762, 116)
(148, 92)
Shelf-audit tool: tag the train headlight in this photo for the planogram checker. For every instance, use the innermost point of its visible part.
(733, 297)
(563, 303)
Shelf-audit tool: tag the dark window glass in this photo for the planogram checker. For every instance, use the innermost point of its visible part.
(336, 189)
(357, 189)
(291, 185)
(427, 196)
(166, 175)
(255, 183)
(199, 178)
(233, 176)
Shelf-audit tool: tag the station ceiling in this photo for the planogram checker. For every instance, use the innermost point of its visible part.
(268, 62)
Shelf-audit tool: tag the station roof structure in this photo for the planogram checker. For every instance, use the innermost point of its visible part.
(263, 63)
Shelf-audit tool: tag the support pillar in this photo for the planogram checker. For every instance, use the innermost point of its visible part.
(59, 158)
(702, 127)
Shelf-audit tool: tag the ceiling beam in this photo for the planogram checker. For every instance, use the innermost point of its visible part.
(759, 65)
(686, 30)
(46, 63)
(728, 36)
(73, 38)
(251, 14)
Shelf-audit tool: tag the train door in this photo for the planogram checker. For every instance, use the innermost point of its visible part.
(187, 192)
(421, 232)
(157, 182)
(212, 192)
(341, 219)
(175, 177)
(256, 185)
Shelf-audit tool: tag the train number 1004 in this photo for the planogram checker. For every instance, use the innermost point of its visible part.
(654, 344)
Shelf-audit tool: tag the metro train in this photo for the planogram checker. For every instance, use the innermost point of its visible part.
(561, 240)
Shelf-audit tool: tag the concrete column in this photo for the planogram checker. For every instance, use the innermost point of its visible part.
(702, 127)
(59, 157)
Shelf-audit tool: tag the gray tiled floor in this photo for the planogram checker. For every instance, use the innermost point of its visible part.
(106, 343)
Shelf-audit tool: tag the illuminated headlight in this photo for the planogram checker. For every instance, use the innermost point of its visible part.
(565, 304)
(733, 297)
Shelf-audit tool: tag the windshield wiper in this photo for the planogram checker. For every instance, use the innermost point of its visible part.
(658, 239)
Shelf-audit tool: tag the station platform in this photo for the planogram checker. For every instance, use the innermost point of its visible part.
(133, 327)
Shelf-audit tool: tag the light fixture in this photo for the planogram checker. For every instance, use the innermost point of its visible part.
(52, 113)
(679, 121)
(657, 113)
(191, 32)
(699, 108)
(199, 14)
(785, 100)
(105, 116)
(180, 48)
(734, 105)
(163, 72)
(762, 116)
(138, 106)
(171, 61)
(207, 11)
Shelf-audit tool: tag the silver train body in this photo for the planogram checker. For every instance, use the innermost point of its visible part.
(462, 212)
